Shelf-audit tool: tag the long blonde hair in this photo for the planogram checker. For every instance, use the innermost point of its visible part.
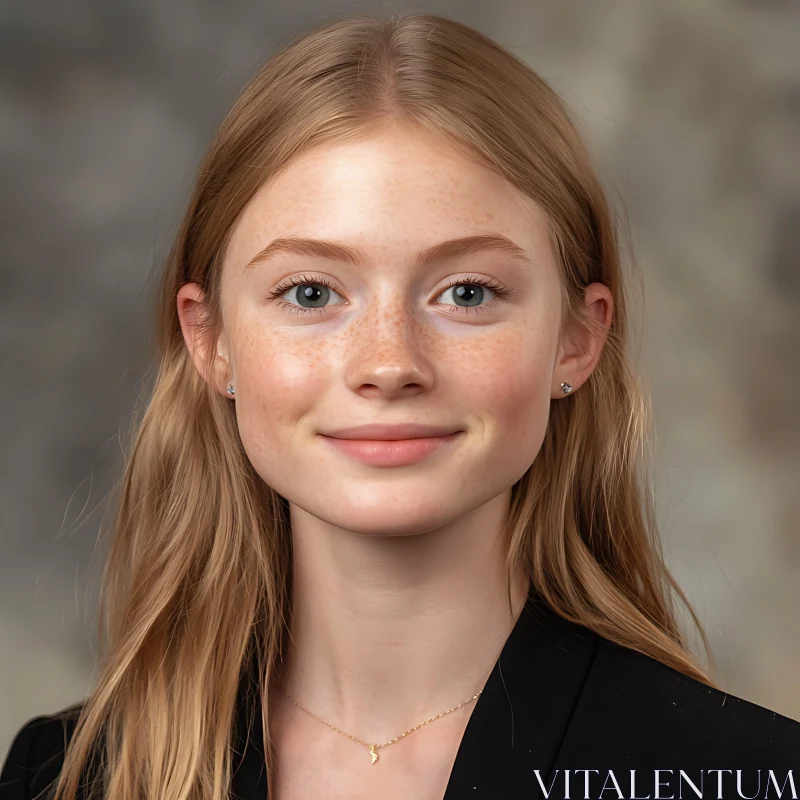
(197, 583)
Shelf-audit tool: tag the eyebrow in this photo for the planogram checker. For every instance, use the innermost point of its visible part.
(335, 251)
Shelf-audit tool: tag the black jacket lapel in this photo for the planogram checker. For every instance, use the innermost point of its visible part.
(249, 780)
(522, 716)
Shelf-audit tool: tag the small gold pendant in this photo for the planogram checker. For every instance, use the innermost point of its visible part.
(374, 753)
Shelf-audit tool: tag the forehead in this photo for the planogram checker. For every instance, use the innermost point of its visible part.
(390, 194)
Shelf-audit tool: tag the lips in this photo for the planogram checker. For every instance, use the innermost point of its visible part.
(392, 452)
(392, 432)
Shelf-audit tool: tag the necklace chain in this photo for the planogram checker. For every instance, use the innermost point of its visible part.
(373, 748)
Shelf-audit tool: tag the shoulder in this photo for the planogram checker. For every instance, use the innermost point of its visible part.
(36, 755)
(650, 705)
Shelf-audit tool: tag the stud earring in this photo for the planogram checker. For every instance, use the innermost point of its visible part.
(566, 387)
(230, 389)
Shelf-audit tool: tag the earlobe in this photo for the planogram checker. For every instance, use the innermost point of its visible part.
(223, 356)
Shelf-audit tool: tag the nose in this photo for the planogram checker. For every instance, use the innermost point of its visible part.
(390, 351)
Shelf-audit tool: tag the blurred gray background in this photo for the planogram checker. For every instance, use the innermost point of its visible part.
(693, 110)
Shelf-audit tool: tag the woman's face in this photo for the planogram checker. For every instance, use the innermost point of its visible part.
(392, 339)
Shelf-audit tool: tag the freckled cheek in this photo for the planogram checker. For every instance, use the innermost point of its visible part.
(512, 391)
(278, 390)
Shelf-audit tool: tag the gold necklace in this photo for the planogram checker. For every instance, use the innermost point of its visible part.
(373, 748)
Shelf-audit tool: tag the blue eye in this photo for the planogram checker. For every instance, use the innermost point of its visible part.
(317, 289)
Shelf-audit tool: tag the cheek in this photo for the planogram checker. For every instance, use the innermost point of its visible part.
(279, 386)
(510, 387)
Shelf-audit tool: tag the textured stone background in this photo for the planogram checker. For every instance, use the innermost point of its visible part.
(693, 109)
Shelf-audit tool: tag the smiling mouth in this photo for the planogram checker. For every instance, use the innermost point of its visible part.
(392, 452)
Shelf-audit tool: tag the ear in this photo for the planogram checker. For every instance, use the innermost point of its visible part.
(581, 344)
(210, 357)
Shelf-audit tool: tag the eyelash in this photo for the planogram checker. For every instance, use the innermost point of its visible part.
(319, 280)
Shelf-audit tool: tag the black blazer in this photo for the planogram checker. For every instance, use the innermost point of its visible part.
(561, 704)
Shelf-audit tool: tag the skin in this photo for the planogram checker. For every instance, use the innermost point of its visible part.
(400, 599)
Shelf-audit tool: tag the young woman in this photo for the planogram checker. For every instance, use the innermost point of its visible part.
(386, 530)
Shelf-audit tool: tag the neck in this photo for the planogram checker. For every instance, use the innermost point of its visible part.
(387, 631)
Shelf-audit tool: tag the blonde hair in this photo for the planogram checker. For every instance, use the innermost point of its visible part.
(196, 523)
